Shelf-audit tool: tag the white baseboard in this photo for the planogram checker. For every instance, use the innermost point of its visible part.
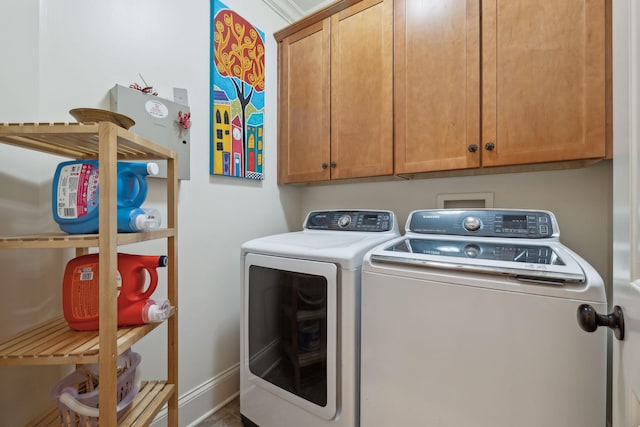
(201, 401)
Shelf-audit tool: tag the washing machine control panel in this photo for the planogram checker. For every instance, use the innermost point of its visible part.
(529, 224)
(350, 220)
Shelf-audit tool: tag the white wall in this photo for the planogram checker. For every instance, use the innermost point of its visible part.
(63, 54)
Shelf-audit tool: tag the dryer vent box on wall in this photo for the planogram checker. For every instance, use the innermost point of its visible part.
(157, 120)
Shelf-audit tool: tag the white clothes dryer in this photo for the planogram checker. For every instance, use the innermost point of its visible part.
(473, 319)
(300, 323)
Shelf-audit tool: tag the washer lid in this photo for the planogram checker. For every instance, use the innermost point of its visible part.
(547, 262)
(342, 237)
(344, 248)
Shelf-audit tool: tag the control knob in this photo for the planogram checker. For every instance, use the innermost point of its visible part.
(344, 221)
(471, 223)
(472, 251)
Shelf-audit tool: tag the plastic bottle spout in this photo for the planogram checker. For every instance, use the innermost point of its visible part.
(156, 311)
(146, 219)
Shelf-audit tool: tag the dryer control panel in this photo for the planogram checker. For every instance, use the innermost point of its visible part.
(526, 224)
(376, 221)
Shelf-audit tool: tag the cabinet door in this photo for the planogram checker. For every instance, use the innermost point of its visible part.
(437, 85)
(303, 105)
(361, 90)
(543, 80)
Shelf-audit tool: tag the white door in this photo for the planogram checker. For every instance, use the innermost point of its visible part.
(626, 211)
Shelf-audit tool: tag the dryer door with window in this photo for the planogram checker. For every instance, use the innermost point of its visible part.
(289, 330)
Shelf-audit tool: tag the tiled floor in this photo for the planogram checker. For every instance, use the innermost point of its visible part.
(227, 416)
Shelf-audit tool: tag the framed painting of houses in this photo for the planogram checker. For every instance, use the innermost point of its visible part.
(237, 95)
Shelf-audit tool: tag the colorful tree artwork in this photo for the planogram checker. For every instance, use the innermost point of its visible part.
(237, 95)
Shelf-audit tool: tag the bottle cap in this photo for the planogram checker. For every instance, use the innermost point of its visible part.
(153, 168)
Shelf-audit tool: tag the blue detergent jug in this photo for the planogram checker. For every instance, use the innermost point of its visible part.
(75, 196)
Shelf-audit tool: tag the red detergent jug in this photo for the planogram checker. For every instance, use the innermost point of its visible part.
(81, 290)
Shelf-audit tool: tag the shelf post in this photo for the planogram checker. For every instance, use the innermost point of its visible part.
(108, 249)
(172, 287)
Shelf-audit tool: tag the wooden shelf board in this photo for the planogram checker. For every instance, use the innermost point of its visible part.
(303, 315)
(54, 343)
(311, 357)
(303, 358)
(63, 240)
(147, 403)
(79, 140)
(153, 395)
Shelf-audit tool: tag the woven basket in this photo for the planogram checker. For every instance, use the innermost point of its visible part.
(77, 394)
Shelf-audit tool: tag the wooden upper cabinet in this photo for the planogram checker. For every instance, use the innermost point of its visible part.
(535, 91)
(336, 94)
(437, 85)
(304, 105)
(543, 80)
(381, 87)
(362, 90)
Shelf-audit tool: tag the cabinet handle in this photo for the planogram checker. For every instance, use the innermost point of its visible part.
(473, 148)
(324, 166)
(489, 146)
(333, 165)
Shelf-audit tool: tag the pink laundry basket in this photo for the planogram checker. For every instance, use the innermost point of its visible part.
(77, 394)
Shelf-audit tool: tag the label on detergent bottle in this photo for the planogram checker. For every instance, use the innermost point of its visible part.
(84, 283)
(77, 190)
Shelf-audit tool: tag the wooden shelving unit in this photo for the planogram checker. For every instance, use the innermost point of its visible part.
(53, 342)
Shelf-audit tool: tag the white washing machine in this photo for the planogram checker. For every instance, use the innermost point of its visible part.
(470, 319)
(300, 324)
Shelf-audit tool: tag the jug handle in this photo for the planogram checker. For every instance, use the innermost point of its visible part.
(140, 195)
(153, 276)
(142, 190)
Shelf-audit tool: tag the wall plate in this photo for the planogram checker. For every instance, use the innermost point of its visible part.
(465, 201)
